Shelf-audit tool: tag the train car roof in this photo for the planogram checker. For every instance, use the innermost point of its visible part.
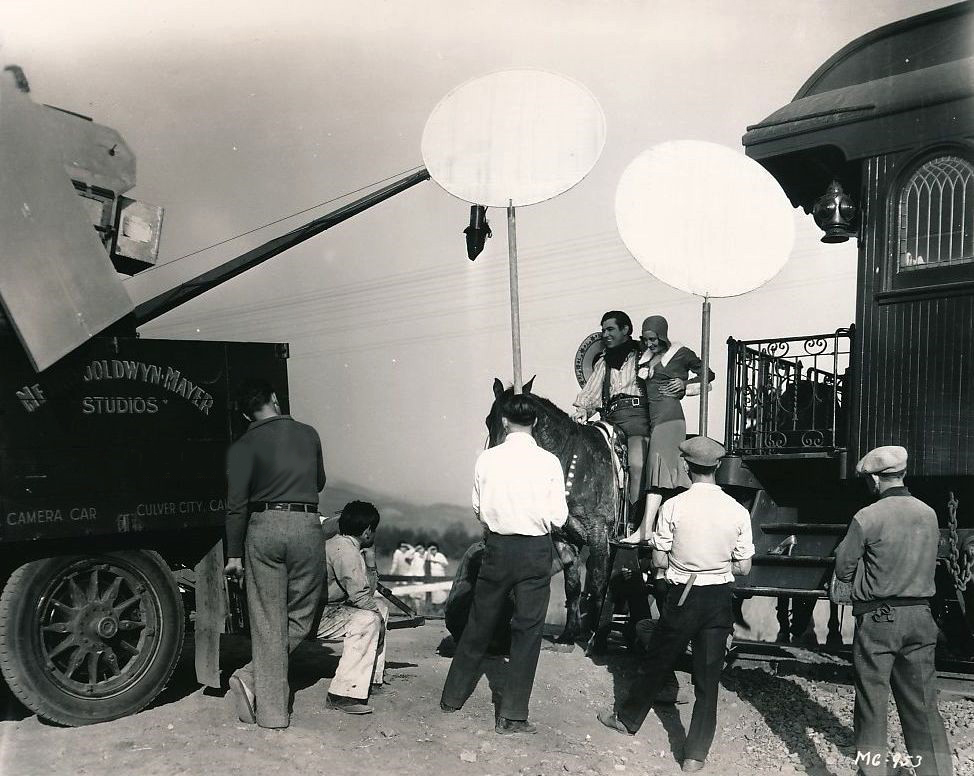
(905, 84)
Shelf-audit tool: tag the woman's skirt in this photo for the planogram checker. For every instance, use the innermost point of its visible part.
(664, 466)
(633, 420)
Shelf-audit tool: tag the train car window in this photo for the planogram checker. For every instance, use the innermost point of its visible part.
(935, 223)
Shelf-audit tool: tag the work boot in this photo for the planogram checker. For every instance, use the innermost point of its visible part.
(692, 766)
(506, 726)
(243, 700)
(611, 721)
(348, 705)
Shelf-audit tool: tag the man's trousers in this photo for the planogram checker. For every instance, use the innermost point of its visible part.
(285, 557)
(363, 659)
(894, 646)
(706, 619)
(521, 564)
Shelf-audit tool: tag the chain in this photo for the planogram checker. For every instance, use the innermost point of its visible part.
(961, 575)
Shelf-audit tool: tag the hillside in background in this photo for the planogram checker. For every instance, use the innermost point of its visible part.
(451, 526)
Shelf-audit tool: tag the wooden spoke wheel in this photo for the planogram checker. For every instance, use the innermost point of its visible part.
(86, 639)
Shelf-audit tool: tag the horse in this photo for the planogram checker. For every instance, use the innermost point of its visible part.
(593, 497)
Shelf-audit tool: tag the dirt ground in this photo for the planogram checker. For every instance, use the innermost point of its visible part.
(794, 722)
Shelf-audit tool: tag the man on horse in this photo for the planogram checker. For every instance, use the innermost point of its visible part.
(615, 391)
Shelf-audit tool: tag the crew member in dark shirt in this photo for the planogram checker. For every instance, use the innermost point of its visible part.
(890, 556)
(274, 473)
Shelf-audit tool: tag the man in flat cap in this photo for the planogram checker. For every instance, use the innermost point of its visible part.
(890, 555)
(703, 537)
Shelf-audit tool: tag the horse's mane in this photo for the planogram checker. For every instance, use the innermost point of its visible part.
(550, 407)
(546, 404)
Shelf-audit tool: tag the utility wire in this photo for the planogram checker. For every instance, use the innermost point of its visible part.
(559, 318)
(555, 260)
(409, 288)
(170, 262)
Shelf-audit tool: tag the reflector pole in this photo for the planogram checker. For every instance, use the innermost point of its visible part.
(705, 358)
(515, 305)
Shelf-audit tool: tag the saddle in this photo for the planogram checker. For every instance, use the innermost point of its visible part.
(615, 438)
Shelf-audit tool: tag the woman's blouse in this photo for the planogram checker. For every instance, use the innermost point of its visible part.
(678, 365)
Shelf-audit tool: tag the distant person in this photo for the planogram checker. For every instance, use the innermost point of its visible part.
(351, 610)
(519, 496)
(274, 474)
(400, 564)
(416, 567)
(889, 554)
(703, 539)
(416, 560)
(437, 568)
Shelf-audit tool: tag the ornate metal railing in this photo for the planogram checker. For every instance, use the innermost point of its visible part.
(788, 395)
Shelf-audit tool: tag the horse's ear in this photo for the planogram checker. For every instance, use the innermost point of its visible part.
(528, 384)
(498, 388)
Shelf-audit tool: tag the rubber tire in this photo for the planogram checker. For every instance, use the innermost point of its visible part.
(22, 662)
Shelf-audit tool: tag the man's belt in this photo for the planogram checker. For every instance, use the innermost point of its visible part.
(622, 402)
(283, 506)
(865, 607)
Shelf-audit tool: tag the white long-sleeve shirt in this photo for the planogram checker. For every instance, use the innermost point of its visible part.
(399, 562)
(438, 563)
(703, 529)
(519, 488)
(415, 563)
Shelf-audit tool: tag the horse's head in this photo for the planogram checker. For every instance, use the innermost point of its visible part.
(495, 428)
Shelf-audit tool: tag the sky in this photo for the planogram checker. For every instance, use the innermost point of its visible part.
(242, 113)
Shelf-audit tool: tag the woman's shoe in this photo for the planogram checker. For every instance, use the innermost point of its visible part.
(639, 536)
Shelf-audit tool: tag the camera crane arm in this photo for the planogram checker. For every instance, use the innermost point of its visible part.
(170, 300)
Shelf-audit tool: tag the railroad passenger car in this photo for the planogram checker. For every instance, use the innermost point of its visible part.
(877, 145)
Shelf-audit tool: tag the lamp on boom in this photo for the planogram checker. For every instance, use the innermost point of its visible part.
(478, 231)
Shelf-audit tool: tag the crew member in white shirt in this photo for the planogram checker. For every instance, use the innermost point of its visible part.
(519, 495)
(703, 537)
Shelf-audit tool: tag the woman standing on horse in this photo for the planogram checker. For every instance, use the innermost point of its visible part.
(665, 367)
(619, 395)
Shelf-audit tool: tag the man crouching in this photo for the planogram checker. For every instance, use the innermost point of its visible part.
(352, 611)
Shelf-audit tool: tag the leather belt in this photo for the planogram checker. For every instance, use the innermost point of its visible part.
(283, 506)
(626, 401)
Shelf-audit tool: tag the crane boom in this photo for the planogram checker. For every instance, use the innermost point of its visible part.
(163, 303)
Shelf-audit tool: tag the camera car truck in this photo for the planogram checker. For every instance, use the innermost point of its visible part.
(112, 446)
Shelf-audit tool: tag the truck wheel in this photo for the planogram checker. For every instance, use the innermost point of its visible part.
(89, 638)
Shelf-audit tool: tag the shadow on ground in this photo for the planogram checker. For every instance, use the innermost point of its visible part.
(769, 694)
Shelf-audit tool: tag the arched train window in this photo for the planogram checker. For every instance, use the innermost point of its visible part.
(936, 216)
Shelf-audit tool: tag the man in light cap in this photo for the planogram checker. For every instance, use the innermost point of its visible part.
(703, 538)
(890, 555)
